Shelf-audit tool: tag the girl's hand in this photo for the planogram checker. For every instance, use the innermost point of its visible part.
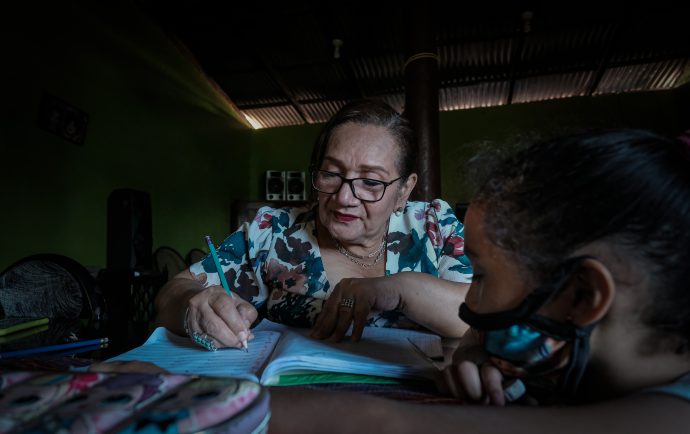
(471, 377)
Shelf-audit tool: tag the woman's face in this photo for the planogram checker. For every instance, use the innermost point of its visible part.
(361, 151)
(497, 284)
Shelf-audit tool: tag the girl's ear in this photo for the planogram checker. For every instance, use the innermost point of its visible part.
(595, 290)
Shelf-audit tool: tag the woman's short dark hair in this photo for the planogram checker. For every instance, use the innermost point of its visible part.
(377, 113)
(630, 188)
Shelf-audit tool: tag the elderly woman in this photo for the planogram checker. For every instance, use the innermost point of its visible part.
(360, 255)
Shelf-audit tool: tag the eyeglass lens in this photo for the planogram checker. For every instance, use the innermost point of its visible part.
(364, 189)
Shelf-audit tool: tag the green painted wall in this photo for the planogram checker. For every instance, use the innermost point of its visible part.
(467, 133)
(155, 124)
(285, 148)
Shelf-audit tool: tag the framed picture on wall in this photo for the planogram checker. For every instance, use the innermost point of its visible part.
(62, 119)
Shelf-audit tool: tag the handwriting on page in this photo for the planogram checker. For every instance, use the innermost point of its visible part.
(378, 343)
(378, 347)
(181, 356)
(429, 343)
(382, 352)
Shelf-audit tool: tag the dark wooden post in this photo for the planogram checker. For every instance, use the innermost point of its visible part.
(421, 96)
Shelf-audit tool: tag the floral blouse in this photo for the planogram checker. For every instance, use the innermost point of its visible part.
(275, 262)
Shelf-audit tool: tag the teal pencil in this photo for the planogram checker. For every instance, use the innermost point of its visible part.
(219, 270)
(221, 276)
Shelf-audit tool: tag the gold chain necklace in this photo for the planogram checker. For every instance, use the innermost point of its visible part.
(378, 253)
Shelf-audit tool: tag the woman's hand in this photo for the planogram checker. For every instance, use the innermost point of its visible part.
(337, 313)
(471, 377)
(224, 320)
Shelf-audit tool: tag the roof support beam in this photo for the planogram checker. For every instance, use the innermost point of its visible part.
(286, 91)
(516, 55)
(421, 97)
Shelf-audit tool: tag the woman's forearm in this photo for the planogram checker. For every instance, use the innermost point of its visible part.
(430, 301)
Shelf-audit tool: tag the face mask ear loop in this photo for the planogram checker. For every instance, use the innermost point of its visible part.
(578, 361)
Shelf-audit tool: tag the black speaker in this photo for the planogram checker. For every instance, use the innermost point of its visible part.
(275, 185)
(129, 242)
(296, 189)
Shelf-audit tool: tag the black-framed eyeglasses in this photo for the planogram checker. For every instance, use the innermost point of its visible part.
(364, 189)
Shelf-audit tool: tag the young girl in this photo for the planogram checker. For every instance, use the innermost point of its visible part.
(597, 229)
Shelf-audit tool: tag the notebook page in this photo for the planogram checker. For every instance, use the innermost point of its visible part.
(382, 352)
(179, 355)
(427, 342)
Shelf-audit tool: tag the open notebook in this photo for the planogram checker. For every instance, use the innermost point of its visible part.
(278, 353)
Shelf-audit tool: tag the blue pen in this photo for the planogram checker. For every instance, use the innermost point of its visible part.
(221, 276)
(50, 348)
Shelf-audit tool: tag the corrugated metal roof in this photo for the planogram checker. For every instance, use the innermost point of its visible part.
(554, 86)
(277, 116)
(321, 112)
(646, 76)
(487, 94)
(282, 69)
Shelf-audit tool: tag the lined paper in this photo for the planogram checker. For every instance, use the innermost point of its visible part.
(278, 349)
(180, 355)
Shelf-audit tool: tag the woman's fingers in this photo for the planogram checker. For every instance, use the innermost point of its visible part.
(361, 314)
(350, 303)
(335, 319)
(345, 310)
(248, 313)
(326, 322)
(219, 319)
(237, 316)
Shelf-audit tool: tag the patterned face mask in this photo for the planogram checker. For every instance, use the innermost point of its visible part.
(522, 343)
(520, 351)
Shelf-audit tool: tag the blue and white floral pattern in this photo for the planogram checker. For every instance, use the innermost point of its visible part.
(275, 262)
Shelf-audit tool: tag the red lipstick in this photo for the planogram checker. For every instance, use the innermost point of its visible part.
(344, 217)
